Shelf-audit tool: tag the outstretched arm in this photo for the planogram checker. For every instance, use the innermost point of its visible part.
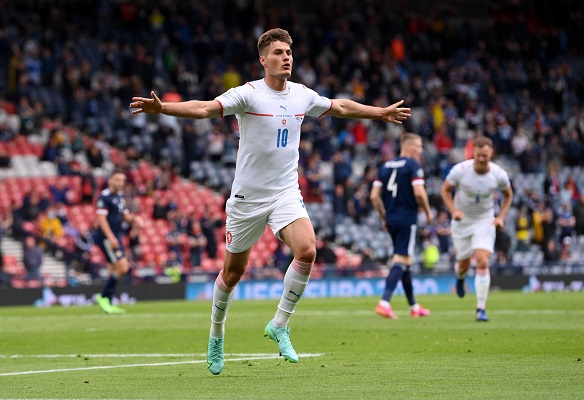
(185, 109)
(344, 108)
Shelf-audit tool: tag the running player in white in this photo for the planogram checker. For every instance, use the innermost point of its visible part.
(265, 191)
(473, 216)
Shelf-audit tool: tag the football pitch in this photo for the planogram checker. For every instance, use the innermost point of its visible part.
(531, 349)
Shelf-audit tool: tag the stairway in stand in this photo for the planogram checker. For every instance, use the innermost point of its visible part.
(51, 267)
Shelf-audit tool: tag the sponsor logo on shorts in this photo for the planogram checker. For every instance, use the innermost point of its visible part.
(229, 237)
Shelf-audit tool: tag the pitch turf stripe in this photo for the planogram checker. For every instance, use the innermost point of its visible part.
(303, 313)
(48, 371)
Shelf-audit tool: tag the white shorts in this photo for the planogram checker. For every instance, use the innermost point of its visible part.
(246, 221)
(467, 236)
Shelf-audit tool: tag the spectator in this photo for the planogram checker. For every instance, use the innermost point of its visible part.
(209, 223)
(160, 210)
(442, 224)
(4, 159)
(134, 242)
(50, 226)
(522, 231)
(88, 185)
(173, 267)
(176, 240)
(31, 207)
(6, 221)
(314, 175)
(551, 252)
(59, 191)
(578, 212)
(566, 250)
(324, 254)
(502, 245)
(197, 243)
(566, 221)
(82, 250)
(549, 226)
(537, 216)
(430, 256)
(32, 258)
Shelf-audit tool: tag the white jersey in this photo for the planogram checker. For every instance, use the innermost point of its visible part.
(269, 125)
(475, 192)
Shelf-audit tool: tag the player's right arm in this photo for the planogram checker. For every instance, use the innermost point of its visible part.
(195, 109)
(107, 231)
(423, 202)
(446, 193)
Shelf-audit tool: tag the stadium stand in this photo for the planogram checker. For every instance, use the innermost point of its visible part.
(512, 70)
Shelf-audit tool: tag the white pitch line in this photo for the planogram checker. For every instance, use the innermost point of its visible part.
(47, 371)
(144, 355)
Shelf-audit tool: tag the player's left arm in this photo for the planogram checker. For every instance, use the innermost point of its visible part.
(345, 108)
(499, 220)
(377, 203)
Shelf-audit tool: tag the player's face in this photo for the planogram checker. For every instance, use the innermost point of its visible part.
(277, 60)
(117, 182)
(417, 148)
(482, 155)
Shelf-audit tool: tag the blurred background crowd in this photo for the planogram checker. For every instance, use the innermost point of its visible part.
(512, 70)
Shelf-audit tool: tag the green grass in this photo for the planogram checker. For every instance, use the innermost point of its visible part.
(531, 349)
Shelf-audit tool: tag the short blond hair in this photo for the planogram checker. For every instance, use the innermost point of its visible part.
(273, 35)
(482, 141)
(406, 137)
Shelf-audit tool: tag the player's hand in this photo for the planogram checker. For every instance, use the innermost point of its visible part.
(499, 223)
(145, 105)
(429, 217)
(138, 221)
(115, 243)
(396, 114)
(457, 215)
(384, 225)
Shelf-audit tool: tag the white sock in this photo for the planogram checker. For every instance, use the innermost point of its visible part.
(221, 302)
(384, 303)
(415, 307)
(294, 285)
(482, 285)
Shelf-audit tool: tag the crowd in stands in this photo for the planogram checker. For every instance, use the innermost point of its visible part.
(511, 70)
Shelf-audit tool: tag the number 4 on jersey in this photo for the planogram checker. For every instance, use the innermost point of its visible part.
(392, 184)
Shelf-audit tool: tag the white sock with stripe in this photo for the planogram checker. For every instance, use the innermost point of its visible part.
(295, 282)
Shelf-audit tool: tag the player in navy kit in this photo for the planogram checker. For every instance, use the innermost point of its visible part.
(111, 213)
(397, 194)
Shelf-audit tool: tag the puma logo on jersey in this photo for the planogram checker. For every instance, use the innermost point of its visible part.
(284, 107)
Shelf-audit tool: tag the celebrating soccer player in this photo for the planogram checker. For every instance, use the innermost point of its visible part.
(265, 191)
(473, 216)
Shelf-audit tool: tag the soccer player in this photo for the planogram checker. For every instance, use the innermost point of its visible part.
(111, 213)
(473, 216)
(397, 194)
(265, 190)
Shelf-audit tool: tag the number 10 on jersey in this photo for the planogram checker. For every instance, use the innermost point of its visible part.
(282, 138)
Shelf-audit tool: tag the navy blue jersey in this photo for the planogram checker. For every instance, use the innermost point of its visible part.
(397, 177)
(113, 206)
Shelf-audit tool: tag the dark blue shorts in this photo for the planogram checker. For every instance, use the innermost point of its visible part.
(112, 256)
(403, 237)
